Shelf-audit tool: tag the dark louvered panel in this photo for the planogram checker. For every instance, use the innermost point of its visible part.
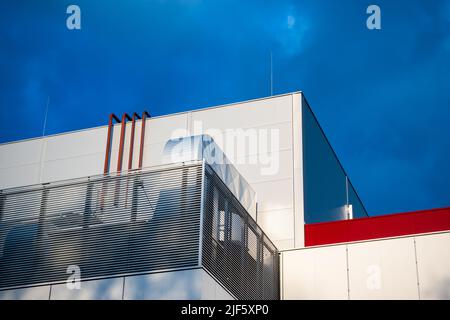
(235, 250)
(107, 226)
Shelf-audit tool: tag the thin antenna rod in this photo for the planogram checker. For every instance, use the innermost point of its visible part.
(271, 74)
(45, 117)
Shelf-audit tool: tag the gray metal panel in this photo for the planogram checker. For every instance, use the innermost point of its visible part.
(141, 222)
(107, 226)
(235, 250)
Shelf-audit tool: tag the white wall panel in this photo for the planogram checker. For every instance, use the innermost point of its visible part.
(76, 144)
(194, 284)
(278, 225)
(222, 294)
(208, 285)
(19, 176)
(249, 141)
(105, 289)
(137, 144)
(20, 153)
(33, 293)
(161, 129)
(153, 154)
(379, 269)
(115, 137)
(284, 244)
(433, 256)
(257, 172)
(384, 269)
(247, 114)
(74, 167)
(297, 169)
(274, 195)
(211, 289)
(318, 273)
(20, 163)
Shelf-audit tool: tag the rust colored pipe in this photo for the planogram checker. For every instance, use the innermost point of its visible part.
(133, 125)
(145, 114)
(112, 117)
(122, 141)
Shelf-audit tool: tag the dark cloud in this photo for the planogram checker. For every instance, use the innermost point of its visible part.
(382, 97)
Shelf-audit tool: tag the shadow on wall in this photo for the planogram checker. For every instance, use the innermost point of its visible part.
(107, 289)
(177, 285)
(180, 285)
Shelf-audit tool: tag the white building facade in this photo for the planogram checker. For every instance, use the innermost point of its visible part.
(280, 175)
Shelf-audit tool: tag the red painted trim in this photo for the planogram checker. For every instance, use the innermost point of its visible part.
(392, 225)
(145, 114)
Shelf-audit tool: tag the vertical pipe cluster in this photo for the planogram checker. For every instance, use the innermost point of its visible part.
(113, 118)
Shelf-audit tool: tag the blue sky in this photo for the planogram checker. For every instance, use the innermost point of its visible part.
(382, 97)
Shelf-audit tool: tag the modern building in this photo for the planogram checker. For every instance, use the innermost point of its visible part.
(242, 201)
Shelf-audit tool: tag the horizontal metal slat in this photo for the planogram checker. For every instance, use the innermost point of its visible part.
(234, 247)
(126, 224)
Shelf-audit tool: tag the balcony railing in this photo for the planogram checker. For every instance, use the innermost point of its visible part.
(159, 219)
